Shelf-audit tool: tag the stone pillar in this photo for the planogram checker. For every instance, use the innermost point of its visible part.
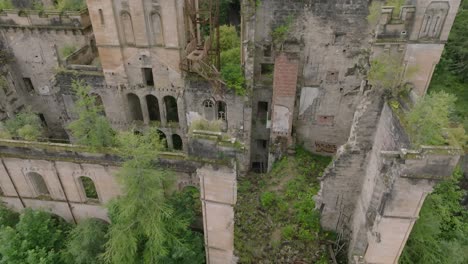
(218, 194)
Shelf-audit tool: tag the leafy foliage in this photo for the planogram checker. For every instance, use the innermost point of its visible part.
(6, 4)
(280, 33)
(8, 217)
(144, 225)
(429, 121)
(86, 242)
(25, 125)
(70, 5)
(374, 13)
(276, 216)
(231, 69)
(67, 50)
(36, 238)
(91, 128)
(385, 72)
(440, 235)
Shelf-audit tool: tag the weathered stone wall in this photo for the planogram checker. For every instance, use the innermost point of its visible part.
(371, 189)
(62, 165)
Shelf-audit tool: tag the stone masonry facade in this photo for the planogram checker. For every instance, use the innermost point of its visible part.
(307, 86)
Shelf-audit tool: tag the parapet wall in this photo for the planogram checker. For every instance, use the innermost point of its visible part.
(44, 19)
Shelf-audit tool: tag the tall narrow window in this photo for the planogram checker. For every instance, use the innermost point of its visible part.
(29, 85)
(177, 142)
(208, 109)
(148, 76)
(221, 109)
(89, 188)
(134, 107)
(172, 114)
(38, 183)
(43, 120)
(262, 111)
(153, 107)
(157, 29)
(127, 27)
(162, 138)
(101, 16)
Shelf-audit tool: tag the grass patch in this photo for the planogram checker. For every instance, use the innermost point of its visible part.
(276, 220)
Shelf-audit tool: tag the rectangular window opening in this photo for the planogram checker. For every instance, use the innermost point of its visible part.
(148, 76)
(29, 85)
(267, 69)
(43, 120)
(267, 51)
(101, 16)
(262, 143)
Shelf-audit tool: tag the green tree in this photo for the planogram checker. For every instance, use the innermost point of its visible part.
(228, 38)
(36, 238)
(429, 121)
(6, 4)
(8, 217)
(144, 228)
(91, 128)
(385, 72)
(440, 235)
(25, 125)
(86, 242)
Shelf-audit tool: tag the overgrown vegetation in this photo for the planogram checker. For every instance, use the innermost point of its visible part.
(67, 50)
(275, 217)
(231, 68)
(280, 33)
(205, 125)
(25, 125)
(91, 128)
(39, 237)
(397, 4)
(451, 74)
(440, 235)
(145, 227)
(61, 5)
(375, 9)
(429, 122)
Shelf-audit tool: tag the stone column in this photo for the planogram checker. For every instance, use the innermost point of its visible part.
(218, 188)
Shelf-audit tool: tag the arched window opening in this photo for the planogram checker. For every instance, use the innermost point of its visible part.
(221, 110)
(157, 29)
(428, 23)
(39, 184)
(172, 114)
(134, 107)
(435, 30)
(163, 139)
(177, 142)
(89, 188)
(127, 27)
(208, 109)
(98, 103)
(153, 107)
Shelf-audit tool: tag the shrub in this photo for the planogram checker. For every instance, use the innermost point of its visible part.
(205, 125)
(268, 199)
(67, 50)
(70, 5)
(6, 4)
(233, 76)
(288, 232)
(25, 125)
(228, 38)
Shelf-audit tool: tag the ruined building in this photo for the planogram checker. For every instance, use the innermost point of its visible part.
(156, 63)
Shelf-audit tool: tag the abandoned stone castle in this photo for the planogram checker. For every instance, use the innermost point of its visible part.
(148, 63)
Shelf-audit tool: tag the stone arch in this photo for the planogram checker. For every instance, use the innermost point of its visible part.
(208, 109)
(127, 28)
(221, 110)
(163, 139)
(134, 107)
(172, 113)
(99, 103)
(157, 28)
(89, 188)
(177, 142)
(153, 107)
(39, 184)
(434, 19)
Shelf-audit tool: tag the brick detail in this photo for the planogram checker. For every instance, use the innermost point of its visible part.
(285, 77)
